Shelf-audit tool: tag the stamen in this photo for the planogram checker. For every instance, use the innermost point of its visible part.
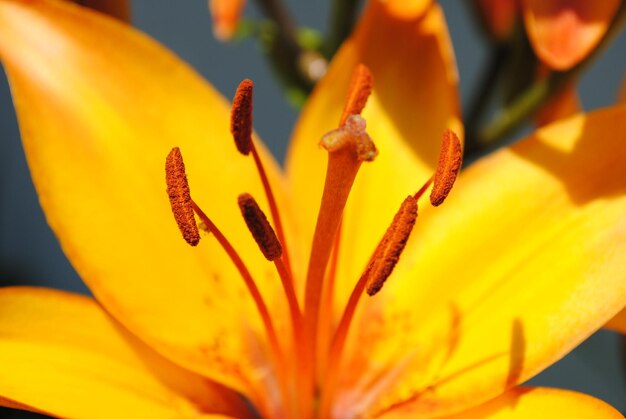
(358, 93)
(180, 198)
(348, 147)
(241, 128)
(391, 246)
(260, 228)
(450, 160)
(241, 117)
(380, 266)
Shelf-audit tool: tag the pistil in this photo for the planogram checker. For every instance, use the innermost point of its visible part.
(348, 147)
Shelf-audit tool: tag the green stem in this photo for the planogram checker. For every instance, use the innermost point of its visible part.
(342, 19)
(526, 104)
(287, 55)
(484, 91)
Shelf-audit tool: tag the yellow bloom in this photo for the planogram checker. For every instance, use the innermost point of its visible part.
(522, 262)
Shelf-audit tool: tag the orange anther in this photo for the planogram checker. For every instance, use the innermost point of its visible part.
(260, 228)
(241, 117)
(180, 199)
(390, 248)
(360, 90)
(450, 160)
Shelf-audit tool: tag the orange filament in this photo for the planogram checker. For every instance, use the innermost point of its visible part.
(260, 228)
(277, 352)
(450, 159)
(241, 117)
(241, 129)
(380, 266)
(265, 237)
(347, 148)
(358, 93)
(180, 199)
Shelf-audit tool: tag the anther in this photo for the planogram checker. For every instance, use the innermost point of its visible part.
(388, 252)
(260, 228)
(351, 134)
(180, 199)
(360, 89)
(450, 160)
(241, 117)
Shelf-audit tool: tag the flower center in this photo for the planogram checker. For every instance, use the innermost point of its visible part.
(312, 370)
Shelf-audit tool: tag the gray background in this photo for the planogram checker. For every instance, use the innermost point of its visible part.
(29, 253)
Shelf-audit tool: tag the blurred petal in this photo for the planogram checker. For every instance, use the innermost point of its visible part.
(405, 9)
(618, 323)
(99, 107)
(498, 16)
(63, 355)
(117, 8)
(414, 99)
(522, 263)
(564, 104)
(226, 15)
(530, 403)
(564, 32)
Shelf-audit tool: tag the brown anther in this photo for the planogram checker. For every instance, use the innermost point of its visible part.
(180, 199)
(450, 160)
(351, 134)
(241, 117)
(358, 93)
(390, 248)
(260, 228)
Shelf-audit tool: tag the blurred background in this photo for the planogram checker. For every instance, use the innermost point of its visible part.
(30, 255)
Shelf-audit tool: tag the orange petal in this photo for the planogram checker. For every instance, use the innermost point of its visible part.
(564, 32)
(226, 15)
(117, 8)
(522, 263)
(618, 323)
(63, 355)
(97, 124)
(529, 403)
(414, 100)
(498, 16)
(406, 9)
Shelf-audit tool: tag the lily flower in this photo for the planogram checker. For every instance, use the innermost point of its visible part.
(521, 263)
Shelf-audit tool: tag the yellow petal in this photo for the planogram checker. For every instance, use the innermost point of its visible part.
(413, 101)
(63, 355)
(100, 106)
(531, 403)
(563, 32)
(522, 262)
(618, 323)
(226, 15)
